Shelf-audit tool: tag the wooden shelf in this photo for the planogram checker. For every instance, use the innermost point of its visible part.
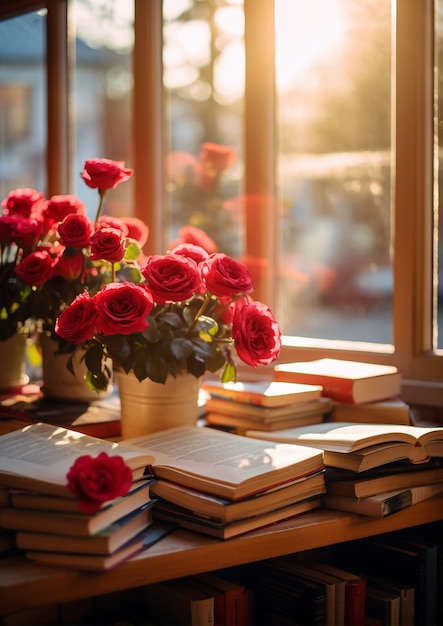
(25, 585)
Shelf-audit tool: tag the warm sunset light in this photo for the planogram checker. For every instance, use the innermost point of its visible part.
(304, 30)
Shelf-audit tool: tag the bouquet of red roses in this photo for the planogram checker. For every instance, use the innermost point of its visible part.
(191, 309)
(51, 251)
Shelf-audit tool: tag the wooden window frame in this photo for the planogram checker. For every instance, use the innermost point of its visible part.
(413, 299)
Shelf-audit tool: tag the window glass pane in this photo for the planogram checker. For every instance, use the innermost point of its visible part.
(22, 103)
(203, 60)
(102, 92)
(333, 63)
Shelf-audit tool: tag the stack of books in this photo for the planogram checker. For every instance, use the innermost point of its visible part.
(264, 405)
(228, 485)
(359, 391)
(206, 480)
(374, 469)
(48, 520)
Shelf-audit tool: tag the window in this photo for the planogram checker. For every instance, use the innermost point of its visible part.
(332, 198)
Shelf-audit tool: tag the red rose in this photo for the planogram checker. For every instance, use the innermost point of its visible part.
(225, 276)
(77, 322)
(26, 232)
(191, 234)
(213, 160)
(181, 168)
(216, 158)
(6, 224)
(69, 266)
(36, 268)
(172, 278)
(75, 231)
(58, 207)
(105, 174)
(107, 244)
(108, 221)
(256, 334)
(98, 480)
(123, 308)
(190, 250)
(137, 230)
(22, 202)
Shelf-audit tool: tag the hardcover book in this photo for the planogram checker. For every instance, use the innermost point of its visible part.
(390, 411)
(179, 602)
(80, 524)
(225, 511)
(168, 512)
(344, 381)
(228, 406)
(234, 597)
(383, 504)
(106, 541)
(362, 487)
(383, 604)
(101, 562)
(263, 393)
(355, 590)
(239, 424)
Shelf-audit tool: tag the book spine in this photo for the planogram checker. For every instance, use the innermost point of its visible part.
(355, 602)
(339, 389)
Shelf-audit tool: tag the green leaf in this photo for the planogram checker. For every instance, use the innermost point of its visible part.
(229, 373)
(181, 348)
(132, 252)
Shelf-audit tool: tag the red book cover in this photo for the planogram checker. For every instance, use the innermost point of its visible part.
(355, 602)
(344, 381)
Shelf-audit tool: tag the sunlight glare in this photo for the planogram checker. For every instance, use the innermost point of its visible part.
(304, 31)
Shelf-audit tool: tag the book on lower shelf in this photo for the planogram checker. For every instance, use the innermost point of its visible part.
(179, 602)
(383, 504)
(282, 597)
(166, 511)
(39, 456)
(405, 592)
(383, 604)
(334, 588)
(402, 564)
(235, 600)
(355, 591)
(342, 380)
(360, 447)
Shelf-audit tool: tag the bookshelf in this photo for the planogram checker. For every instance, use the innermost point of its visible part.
(26, 585)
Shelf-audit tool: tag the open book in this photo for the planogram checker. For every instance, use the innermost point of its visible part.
(359, 447)
(39, 456)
